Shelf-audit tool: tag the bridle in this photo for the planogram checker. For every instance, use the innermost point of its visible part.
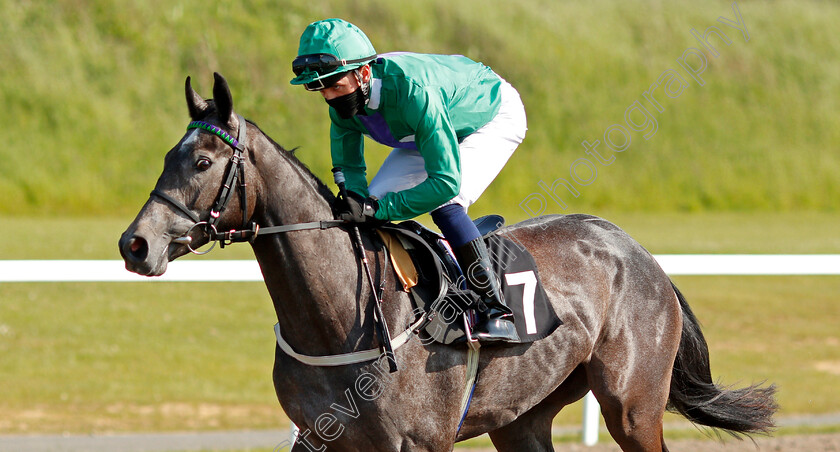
(234, 179)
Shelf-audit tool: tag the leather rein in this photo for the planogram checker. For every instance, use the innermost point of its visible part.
(234, 179)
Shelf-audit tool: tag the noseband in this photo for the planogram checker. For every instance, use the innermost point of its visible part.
(234, 178)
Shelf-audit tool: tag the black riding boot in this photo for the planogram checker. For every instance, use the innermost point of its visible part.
(495, 323)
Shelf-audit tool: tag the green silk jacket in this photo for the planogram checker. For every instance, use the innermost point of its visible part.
(417, 101)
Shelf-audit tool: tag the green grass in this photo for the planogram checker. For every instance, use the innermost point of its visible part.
(92, 95)
(100, 357)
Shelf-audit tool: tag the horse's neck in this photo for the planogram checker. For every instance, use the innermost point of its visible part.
(312, 276)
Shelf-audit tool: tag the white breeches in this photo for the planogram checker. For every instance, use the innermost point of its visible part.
(483, 155)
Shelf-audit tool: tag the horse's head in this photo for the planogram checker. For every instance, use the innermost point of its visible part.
(189, 192)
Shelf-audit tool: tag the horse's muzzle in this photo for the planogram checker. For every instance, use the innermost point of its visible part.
(134, 249)
(140, 254)
(135, 252)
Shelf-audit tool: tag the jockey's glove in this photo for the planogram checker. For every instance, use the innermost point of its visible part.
(360, 210)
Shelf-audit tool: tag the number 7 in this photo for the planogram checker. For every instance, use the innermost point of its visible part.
(529, 279)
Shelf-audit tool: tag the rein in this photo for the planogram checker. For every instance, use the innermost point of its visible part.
(234, 178)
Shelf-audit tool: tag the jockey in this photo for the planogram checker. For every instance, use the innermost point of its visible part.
(453, 124)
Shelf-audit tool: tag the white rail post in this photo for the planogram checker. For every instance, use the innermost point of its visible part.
(591, 419)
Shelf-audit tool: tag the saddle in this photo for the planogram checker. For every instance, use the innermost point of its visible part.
(429, 271)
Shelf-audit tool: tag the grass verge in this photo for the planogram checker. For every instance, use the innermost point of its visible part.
(145, 357)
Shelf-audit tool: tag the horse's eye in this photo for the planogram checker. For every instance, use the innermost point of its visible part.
(203, 164)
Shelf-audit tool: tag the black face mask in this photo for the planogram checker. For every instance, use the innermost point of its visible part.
(349, 104)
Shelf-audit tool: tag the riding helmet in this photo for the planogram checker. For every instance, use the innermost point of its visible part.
(325, 39)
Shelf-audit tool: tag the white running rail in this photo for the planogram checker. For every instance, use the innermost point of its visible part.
(248, 270)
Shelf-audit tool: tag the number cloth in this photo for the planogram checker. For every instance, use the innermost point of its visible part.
(523, 291)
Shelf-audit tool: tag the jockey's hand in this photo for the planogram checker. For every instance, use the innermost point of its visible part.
(360, 210)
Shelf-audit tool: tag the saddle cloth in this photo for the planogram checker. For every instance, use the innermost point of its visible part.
(428, 270)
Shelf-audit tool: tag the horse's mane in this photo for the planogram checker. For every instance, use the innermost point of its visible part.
(321, 187)
(289, 155)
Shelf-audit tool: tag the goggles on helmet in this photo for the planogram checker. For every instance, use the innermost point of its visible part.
(325, 65)
(322, 63)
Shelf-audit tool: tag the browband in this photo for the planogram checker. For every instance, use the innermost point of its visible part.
(214, 130)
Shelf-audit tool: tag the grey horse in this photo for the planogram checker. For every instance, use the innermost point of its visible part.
(628, 335)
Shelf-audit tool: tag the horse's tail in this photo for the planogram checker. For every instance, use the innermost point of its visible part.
(695, 396)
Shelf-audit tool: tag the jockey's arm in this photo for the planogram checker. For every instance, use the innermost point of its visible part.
(438, 144)
(347, 150)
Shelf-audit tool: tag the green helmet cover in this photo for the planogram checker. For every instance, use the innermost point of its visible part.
(336, 37)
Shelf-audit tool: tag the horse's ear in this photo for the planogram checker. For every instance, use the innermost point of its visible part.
(223, 99)
(195, 103)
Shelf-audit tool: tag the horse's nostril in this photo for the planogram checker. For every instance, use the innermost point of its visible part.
(138, 248)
